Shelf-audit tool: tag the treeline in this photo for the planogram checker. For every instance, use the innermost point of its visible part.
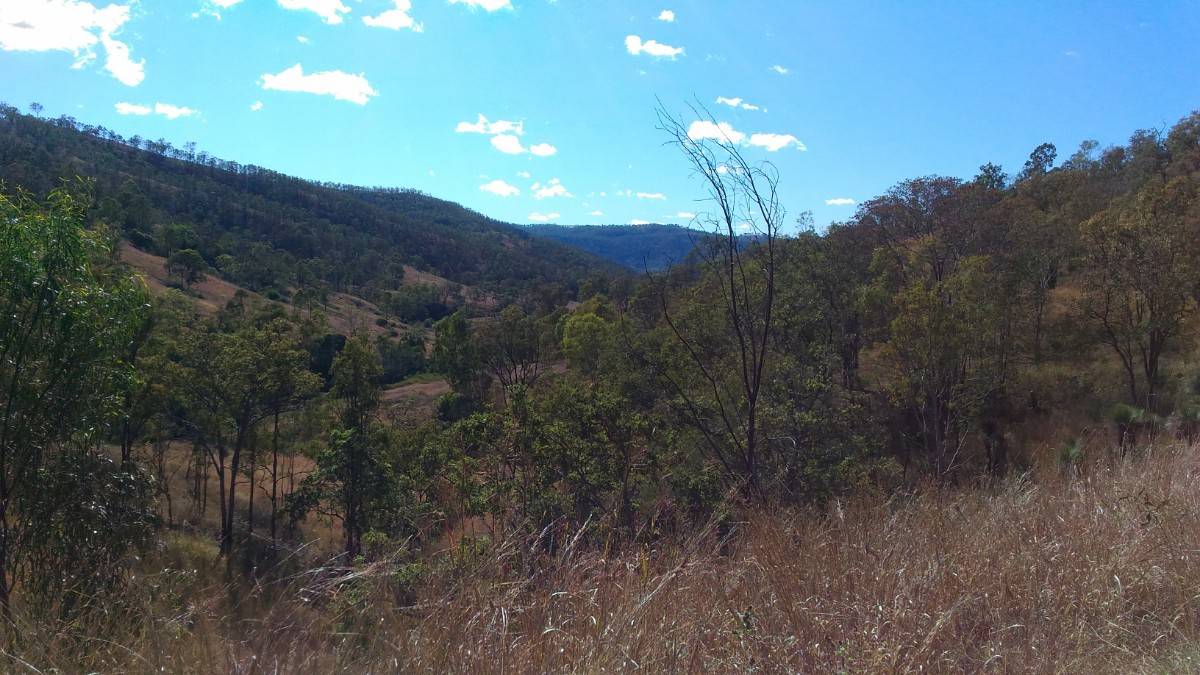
(932, 337)
(274, 233)
(636, 247)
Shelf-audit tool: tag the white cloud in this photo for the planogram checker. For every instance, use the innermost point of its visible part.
(395, 18)
(779, 69)
(71, 26)
(120, 64)
(166, 110)
(543, 217)
(639, 221)
(335, 83)
(482, 126)
(486, 5)
(302, 39)
(500, 188)
(719, 131)
(173, 112)
(840, 201)
(133, 109)
(685, 214)
(776, 142)
(554, 188)
(651, 195)
(524, 174)
(508, 144)
(256, 106)
(667, 15)
(505, 136)
(330, 11)
(596, 213)
(724, 132)
(213, 8)
(736, 102)
(634, 45)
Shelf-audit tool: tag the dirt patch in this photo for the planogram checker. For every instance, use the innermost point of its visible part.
(209, 295)
(417, 397)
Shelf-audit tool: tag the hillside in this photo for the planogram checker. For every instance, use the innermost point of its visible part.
(637, 247)
(267, 231)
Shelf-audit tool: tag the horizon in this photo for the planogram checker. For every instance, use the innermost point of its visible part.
(550, 115)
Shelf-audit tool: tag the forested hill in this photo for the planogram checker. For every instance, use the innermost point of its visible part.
(265, 230)
(637, 247)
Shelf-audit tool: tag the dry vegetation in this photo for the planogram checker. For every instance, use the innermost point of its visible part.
(1084, 569)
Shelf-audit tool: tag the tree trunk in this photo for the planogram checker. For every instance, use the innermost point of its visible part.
(274, 475)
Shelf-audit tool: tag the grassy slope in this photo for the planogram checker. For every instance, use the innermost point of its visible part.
(239, 205)
(1091, 569)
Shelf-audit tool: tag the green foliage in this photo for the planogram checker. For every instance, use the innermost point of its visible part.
(279, 230)
(414, 303)
(1071, 454)
(401, 358)
(231, 376)
(366, 475)
(187, 265)
(65, 324)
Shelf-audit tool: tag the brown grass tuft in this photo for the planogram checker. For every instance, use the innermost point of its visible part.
(1082, 571)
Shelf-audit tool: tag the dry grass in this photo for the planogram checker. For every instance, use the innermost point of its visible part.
(1079, 571)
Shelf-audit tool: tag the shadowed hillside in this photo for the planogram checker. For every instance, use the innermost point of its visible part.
(637, 247)
(265, 230)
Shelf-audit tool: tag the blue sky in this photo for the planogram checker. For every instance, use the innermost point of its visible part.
(851, 97)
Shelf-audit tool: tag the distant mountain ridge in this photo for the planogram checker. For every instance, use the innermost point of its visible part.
(637, 247)
(271, 232)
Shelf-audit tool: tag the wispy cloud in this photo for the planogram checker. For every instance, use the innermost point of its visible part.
(718, 131)
(340, 85)
(651, 195)
(396, 18)
(635, 45)
(256, 106)
(667, 16)
(500, 188)
(544, 217)
(330, 11)
(724, 132)
(508, 144)
(840, 201)
(167, 110)
(553, 188)
(486, 5)
(736, 102)
(505, 136)
(776, 142)
(482, 126)
(779, 69)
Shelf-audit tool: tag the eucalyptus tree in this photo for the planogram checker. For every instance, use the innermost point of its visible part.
(232, 382)
(1143, 270)
(740, 262)
(67, 510)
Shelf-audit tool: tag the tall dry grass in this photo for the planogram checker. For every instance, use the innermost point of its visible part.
(1092, 569)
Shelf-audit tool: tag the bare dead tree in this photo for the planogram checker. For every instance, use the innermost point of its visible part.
(745, 221)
